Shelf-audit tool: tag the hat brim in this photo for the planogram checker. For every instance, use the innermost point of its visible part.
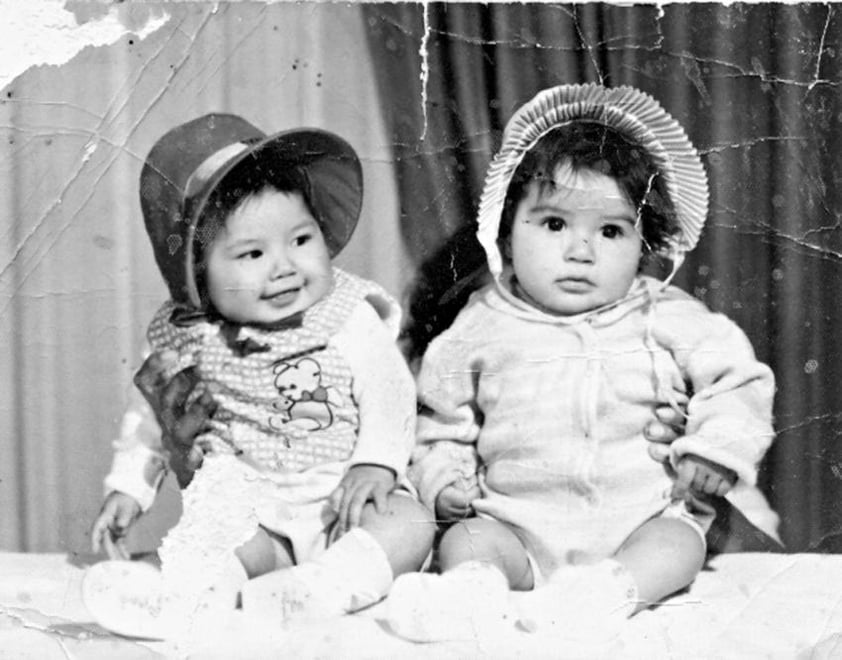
(333, 171)
(629, 111)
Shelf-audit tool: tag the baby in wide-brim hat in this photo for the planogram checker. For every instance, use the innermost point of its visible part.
(535, 399)
(315, 404)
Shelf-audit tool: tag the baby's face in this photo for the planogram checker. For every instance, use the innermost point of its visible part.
(575, 245)
(269, 262)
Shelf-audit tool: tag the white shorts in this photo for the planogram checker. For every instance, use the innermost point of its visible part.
(299, 516)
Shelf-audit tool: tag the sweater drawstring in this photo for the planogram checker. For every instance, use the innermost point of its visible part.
(589, 392)
(663, 389)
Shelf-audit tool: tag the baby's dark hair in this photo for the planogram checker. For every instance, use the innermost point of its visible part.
(589, 145)
(246, 180)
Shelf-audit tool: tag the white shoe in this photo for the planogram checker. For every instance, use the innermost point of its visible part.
(299, 594)
(459, 604)
(131, 598)
(581, 604)
(126, 597)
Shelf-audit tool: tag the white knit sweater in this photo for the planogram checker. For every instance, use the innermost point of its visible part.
(554, 408)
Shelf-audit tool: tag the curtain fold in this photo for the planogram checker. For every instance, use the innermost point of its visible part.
(756, 88)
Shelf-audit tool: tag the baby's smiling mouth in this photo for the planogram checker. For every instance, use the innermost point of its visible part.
(281, 297)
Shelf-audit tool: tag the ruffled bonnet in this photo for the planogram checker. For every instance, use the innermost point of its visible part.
(633, 113)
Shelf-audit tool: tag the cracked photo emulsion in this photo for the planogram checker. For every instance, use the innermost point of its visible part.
(420, 330)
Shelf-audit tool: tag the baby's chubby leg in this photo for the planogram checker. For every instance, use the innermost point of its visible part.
(663, 555)
(488, 542)
(481, 559)
(355, 571)
(404, 531)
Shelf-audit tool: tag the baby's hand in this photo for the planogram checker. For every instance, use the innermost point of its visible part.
(361, 484)
(181, 422)
(454, 501)
(115, 518)
(662, 431)
(697, 475)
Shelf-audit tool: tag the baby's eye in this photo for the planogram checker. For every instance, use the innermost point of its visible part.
(554, 223)
(250, 254)
(612, 231)
(302, 239)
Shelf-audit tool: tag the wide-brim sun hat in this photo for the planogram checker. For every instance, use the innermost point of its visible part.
(186, 165)
(631, 112)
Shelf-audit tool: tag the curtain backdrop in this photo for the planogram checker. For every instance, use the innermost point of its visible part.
(757, 88)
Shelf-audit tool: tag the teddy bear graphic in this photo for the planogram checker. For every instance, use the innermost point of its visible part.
(303, 402)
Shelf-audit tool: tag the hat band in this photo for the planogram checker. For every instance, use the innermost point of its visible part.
(209, 166)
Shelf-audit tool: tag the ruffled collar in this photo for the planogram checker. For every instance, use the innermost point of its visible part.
(246, 338)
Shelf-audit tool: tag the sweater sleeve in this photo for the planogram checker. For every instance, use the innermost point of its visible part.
(448, 421)
(139, 463)
(383, 389)
(730, 411)
(138, 466)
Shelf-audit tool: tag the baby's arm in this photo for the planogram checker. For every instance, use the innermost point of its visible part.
(729, 419)
(131, 485)
(118, 513)
(138, 464)
(445, 461)
(139, 461)
(445, 474)
(385, 395)
(176, 414)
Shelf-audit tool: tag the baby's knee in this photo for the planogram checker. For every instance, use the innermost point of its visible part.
(414, 520)
(261, 554)
(487, 541)
(468, 539)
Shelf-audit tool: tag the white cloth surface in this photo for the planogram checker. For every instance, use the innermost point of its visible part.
(741, 606)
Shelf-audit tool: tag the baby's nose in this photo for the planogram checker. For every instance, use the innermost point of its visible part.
(282, 266)
(580, 248)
